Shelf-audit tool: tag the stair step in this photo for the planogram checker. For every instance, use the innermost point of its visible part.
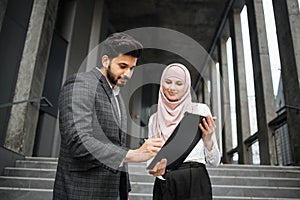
(26, 182)
(249, 198)
(254, 173)
(231, 180)
(140, 196)
(243, 166)
(255, 181)
(233, 177)
(136, 168)
(257, 191)
(136, 196)
(234, 166)
(233, 190)
(139, 177)
(239, 172)
(9, 193)
(36, 164)
(50, 159)
(141, 187)
(29, 172)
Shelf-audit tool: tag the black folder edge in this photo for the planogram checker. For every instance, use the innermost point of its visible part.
(187, 131)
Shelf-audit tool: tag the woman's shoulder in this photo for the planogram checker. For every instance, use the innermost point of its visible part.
(199, 109)
(151, 118)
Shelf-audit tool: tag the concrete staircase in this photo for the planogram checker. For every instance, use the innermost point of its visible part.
(33, 179)
(234, 182)
(30, 179)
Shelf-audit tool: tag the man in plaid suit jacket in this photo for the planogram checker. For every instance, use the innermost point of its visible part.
(93, 156)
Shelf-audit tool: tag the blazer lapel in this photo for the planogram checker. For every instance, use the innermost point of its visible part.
(109, 92)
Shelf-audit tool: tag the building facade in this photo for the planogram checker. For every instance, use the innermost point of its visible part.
(44, 41)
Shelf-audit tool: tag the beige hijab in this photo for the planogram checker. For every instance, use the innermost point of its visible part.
(169, 114)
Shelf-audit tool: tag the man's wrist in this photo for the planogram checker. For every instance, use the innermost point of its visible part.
(129, 156)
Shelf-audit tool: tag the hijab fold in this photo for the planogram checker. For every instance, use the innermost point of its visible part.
(170, 113)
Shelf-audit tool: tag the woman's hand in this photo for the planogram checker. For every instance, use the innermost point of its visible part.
(160, 168)
(207, 127)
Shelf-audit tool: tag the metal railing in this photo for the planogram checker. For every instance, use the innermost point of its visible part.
(276, 123)
(288, 106)
(44, 102)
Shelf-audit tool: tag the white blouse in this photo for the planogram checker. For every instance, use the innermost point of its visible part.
(200, 153)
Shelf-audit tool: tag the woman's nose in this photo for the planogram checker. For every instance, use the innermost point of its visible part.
(172, 87)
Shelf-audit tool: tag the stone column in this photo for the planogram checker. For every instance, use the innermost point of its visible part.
(242, 111)
(264, 93)
(288, 32)
(95, 35)
(215, 99)
(206, 83)
(80, 37)
(3, 5)
(214, 89)
(225, 102)
(23, 118)
(207, 91)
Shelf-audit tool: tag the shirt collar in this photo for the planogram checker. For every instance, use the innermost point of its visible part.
(116, 89)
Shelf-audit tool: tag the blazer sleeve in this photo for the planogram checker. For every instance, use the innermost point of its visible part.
(76, 105)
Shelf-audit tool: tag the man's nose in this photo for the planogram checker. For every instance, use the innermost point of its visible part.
(128, 73)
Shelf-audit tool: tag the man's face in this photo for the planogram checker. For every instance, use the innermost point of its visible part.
(120, 69)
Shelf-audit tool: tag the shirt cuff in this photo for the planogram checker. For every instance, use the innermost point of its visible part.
(122, 163)
(211, 154)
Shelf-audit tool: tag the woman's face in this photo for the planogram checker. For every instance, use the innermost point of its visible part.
(173, 88)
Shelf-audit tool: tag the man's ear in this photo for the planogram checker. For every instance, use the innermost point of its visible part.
(105, 61)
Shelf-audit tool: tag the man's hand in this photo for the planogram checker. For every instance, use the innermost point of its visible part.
(148, 150)
(208, 128)
(160, 168)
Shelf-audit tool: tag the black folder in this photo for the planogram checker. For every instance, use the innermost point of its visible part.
(181, 142)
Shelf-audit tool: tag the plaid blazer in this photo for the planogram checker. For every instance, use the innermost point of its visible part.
(92, 140)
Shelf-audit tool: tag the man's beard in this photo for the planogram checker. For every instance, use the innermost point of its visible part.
(111, 77)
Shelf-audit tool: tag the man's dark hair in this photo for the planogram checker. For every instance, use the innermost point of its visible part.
(121, 43)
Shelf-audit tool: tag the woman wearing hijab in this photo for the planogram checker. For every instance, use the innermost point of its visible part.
(190, 180)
